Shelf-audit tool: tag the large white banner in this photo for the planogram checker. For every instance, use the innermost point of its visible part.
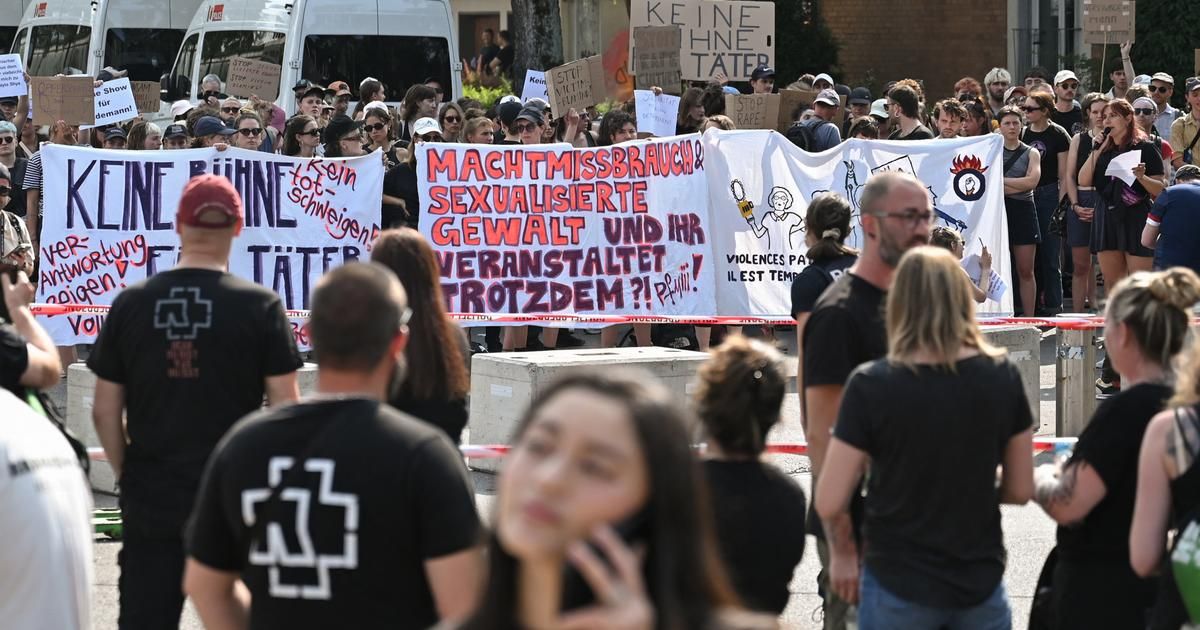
(689, 225)
(756, 259)
(109, 222)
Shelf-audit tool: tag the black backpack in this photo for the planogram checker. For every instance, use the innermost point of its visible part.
(804, 135)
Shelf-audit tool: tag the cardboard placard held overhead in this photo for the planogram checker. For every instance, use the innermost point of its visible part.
(1109, 21)
(753, 111)
(577, 85)
(70, 99)
(657, 61)
(114, 102)
(12, 76)
(147, 94)
(249, 77)
(656, 115)
(717, 36)
(535, 86)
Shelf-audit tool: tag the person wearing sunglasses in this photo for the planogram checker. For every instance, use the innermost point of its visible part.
(301, 136)
(343, 137)
(1067, 113)
(15, 166)
(451, 118)
(229, 110)
(377, 123)
(1145, 112)
(248, 131)
(1052, 143)
(402, 201)
(1162, 87)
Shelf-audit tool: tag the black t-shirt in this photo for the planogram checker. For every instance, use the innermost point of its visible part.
(759, 515)
(505, 55)
(16, 197)
(192, 347)
(1110, 445)
(935, 438)
(14, 360)
(1050, 143)
(814, 279)
(380, 494)
(845, 330)
(1116, 191)
(402, 182)
(1071, 121)
(488, 53)
(920, 133)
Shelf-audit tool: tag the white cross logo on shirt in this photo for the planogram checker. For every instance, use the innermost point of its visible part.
(276, 554)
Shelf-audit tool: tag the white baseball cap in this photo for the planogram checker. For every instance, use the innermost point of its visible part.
(426, 126)
(179, 108)
(375, 105)
(1065, 75)
(510, 98)
(823, 76)
(879, 108)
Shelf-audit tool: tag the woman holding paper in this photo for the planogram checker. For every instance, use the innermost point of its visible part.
(1124, 167)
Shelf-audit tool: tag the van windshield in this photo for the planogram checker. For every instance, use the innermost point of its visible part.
(58, 48)
(7, 33)
(221, 46)
(146, 53)
(397, 61)
(18, 44)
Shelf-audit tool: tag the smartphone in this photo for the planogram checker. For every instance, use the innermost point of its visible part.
(576, 592)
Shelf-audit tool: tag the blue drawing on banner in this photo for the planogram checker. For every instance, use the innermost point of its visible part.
(903, 164)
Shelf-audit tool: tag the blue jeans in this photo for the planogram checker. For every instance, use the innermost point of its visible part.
(1046, 263)
(878, 609)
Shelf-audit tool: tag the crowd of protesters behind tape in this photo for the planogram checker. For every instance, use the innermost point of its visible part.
(352, 508)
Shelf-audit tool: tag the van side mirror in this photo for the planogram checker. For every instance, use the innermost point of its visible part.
(172, 87)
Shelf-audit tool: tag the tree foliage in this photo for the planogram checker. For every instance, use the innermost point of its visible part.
(802, 41)
(1168, 33)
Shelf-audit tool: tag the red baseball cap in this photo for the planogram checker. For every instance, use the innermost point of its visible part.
(209, 201)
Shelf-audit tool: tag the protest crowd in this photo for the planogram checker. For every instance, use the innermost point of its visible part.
(352, 507)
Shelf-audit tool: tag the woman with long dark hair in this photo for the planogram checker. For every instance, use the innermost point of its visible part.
(690, 118)
(436, 382)
(377, 123)
(603, 457)
(301, 136)
(1083, 203)
(420, 101)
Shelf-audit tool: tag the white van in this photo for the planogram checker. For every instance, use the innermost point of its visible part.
(73, 36)
(399, 42)
(11, 12)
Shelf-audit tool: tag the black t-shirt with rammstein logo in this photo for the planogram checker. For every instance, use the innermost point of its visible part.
(376, 495)
(192, 348)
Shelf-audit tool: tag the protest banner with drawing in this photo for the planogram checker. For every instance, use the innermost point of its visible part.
(250, 77)
(12, 76)
(69, 99)
(726, 36)
(657, 61)
(113, 222)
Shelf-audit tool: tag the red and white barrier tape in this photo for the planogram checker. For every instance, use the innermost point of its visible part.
(1069, 323)
(496, 451)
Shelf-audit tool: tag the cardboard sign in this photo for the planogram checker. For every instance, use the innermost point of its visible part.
(717, 35)
(535, 86)
(248, 77)
(12, 76)
(656, 115)
(114, 102)
(147, 94)
(70, 99)
(577, 85)
(753, 111)
(657, 61)
(1109, 21)
(792, 100)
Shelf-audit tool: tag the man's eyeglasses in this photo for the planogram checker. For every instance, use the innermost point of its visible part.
(1070, 86)
(1145, 111)
(526, 127)
(230, 110)
(1027, 109)
(912, 216)
(7, 139)
(375, 127)
(1161, 89)
(246, 133)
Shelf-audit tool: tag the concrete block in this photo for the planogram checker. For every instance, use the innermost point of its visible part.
(81, 385)
(503, 385)
(1024, 344)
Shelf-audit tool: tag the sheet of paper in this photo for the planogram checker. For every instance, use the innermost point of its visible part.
(996, 287)
(114, 102)
(12, 76)
(1121, 166)
(656, 114)
(535, 86)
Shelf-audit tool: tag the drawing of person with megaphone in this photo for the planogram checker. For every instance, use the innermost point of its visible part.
(779, 220)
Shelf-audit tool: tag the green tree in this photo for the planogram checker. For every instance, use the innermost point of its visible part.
(1168, 33)
(802, 41)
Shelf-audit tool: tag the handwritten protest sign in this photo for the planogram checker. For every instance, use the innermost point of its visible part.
(716, 35)
(657, 60)
(554, 230)
(656, 115)
(115, 102)
(1109, 21)
(70, 99)
(250, 77)
(577, 85)
(753, 111)
(114, 222)
(792, 104)
(12, 76)
(535, 86)
(148, 95)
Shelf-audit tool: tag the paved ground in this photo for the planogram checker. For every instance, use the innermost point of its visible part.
(1029, 534)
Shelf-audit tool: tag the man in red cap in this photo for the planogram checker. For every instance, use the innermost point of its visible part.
(339, 94)
(182, 355)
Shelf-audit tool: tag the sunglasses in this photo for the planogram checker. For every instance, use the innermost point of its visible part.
(4, 190)
(1144, 111)
(313, 132)
(231, 110)
(525, 128)
(354, 138)
(452, 119)
(433, 137)
(1161, 89)
(375, 127)
(7, 140)
(250, 132)
(1070, 86)
(1031, 109)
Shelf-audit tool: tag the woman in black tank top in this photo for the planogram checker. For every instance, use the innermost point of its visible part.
(1083, 205)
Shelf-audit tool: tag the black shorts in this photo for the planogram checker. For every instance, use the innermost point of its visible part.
(1079, 232)
(1022, 222)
